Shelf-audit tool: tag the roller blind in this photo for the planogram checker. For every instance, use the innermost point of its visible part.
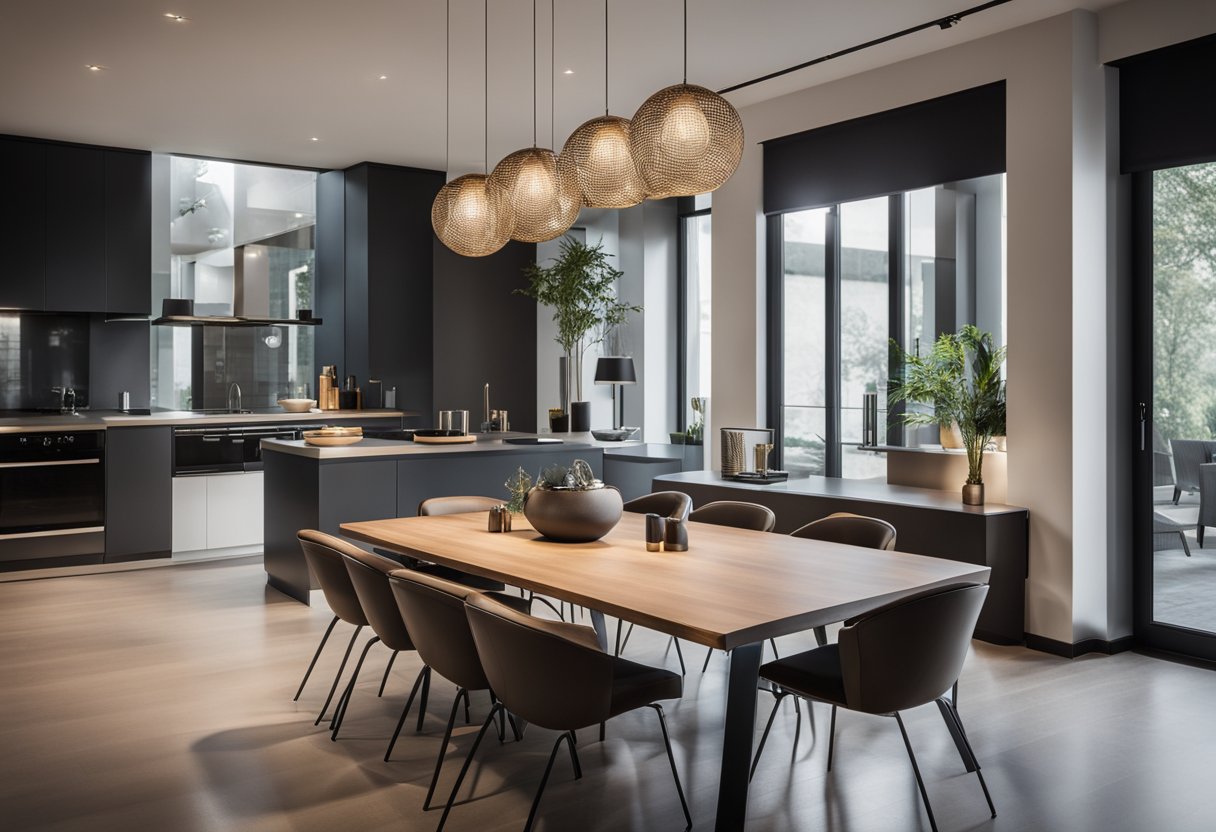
(1167, 106)
(956, 136)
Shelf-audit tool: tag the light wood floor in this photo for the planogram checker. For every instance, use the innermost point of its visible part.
(161, 700)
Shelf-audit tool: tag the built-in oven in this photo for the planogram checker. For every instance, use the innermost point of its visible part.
(221, 450)
(52, 497)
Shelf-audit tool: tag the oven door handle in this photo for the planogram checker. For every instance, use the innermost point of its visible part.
(48, 463)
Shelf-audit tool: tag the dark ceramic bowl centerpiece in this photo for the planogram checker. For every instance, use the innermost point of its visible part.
(570, 505)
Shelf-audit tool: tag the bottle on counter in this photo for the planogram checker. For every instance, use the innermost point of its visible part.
(326, 390)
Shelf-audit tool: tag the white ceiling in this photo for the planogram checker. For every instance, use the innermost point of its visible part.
(257, 79)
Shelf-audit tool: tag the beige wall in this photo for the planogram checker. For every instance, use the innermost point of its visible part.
(1058, 273)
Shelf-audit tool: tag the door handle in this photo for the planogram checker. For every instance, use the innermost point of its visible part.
(1143, 411)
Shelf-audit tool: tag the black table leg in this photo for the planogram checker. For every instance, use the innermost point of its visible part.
(737, 741)
(601, 629)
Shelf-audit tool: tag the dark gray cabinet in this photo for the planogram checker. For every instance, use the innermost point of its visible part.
(76, 238)
(75, 226)
(128, 229)
(139, 492)
(23, 224)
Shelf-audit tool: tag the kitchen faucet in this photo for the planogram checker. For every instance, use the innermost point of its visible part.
(234, 388)
(67, 399)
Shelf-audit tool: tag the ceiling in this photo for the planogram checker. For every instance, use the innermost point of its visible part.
(259, 81)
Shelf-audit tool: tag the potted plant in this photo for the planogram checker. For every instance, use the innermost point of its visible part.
(961, 379)
(580, 287)
(571, 506)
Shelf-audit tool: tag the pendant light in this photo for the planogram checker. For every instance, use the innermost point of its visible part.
(600, 153)
(685, 139)
(467, 217)
(542, 196)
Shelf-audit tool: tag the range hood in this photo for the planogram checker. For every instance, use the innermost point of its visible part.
(230, 320)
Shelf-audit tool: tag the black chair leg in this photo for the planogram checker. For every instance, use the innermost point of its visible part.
(344, 702)
(920, 783)
(961, 734)
(617, 651)
(464, 769)
(628, 633)
(387, 670)
(406, 710)
(426, 690)
(821, 635)
(832, 738)
(768, 726)
(709, 654)
(549, 604)
(565, 737)
(443, 746)
(1177, 494)
(679, 654)
(315, 656)
(338, 675)
(671, 758)
(773, 643)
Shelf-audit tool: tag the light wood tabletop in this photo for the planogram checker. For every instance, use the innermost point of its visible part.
(732, 587)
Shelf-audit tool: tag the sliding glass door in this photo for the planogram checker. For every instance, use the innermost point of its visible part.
(1175, 220)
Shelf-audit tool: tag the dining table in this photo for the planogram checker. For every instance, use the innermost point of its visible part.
(733, 589)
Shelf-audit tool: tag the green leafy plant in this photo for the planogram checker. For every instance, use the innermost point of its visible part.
(578, 477)
(518, 485)
(696, 431)
(580, 287)
(961, 379)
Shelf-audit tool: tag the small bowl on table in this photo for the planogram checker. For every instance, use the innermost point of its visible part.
(333, 437)
(297, 405)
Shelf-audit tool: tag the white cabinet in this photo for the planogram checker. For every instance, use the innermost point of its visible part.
(217, 511)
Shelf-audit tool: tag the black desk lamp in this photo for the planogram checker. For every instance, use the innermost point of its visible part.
(615, 370)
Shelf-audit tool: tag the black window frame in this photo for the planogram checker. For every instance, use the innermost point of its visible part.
(685, 210)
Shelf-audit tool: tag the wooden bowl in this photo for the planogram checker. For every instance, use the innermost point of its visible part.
(297, 405)
(322, 439)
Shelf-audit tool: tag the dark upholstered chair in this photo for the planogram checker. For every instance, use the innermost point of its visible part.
(1207, 501)
(752, 516)
(665, 503)
(739, 515)
(852, 530)
(435, 506)
(369, 574)
(1189, 454)
(433, 611)
(327, 566)
(899, 656)
(554, 675)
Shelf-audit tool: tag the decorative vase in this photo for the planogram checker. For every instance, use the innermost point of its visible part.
(560, 424)
(580, 417)
(950, 436)
(678, 438)
(570, 516)
(973, 494)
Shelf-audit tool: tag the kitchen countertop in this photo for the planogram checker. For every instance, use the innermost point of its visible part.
(102, 419)
(486, 443)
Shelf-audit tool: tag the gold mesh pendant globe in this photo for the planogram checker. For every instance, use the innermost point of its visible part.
(543, 197)
(685, 140)
(469, 219)
(599, 150)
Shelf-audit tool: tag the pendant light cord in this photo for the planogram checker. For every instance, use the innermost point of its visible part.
(685, 41)
(486, 98)
(447, 88)
(533, 73)
(605, 57)
(552, 74)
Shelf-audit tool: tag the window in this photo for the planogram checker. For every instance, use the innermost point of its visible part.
(847, 280)
(696, 292)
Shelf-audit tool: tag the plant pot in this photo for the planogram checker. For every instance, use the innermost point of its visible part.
(573, 516)
(580, 417)
(973, 494)
(560, 424)
(950, 436)
(678, 438)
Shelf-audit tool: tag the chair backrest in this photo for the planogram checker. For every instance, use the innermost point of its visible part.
(549, 672)
(852, 529)
(1189, 454)
(456, 505)
(433, 611)
(327, 565)
(740, 515)
(665, 503)
(369, 574)
(908, 652)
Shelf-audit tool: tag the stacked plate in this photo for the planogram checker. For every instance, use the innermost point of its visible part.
(333, 437)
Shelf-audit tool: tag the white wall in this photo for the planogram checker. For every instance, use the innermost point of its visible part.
(1057, 163)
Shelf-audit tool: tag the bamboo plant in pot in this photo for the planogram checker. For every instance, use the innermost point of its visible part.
(580, 286)
(961, 379)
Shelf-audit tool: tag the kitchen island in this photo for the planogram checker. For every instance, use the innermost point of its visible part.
(307, 487)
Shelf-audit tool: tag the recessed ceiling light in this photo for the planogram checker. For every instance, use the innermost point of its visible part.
(299, 216)
(383, 77)
(314, 139)
(177, 18)
(94, 67)
(568, 72)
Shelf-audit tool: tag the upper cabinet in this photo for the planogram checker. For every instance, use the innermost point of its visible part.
(76, 227)
(23, 224)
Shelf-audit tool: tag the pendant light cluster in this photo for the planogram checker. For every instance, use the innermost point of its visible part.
(683, 140)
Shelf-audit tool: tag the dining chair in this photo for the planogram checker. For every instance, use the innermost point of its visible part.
(327, 567)
(852, 530)
(433, 611)
(899, 656)
(554, 675)
(369, 576)
(665, 504)
(739, 515)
